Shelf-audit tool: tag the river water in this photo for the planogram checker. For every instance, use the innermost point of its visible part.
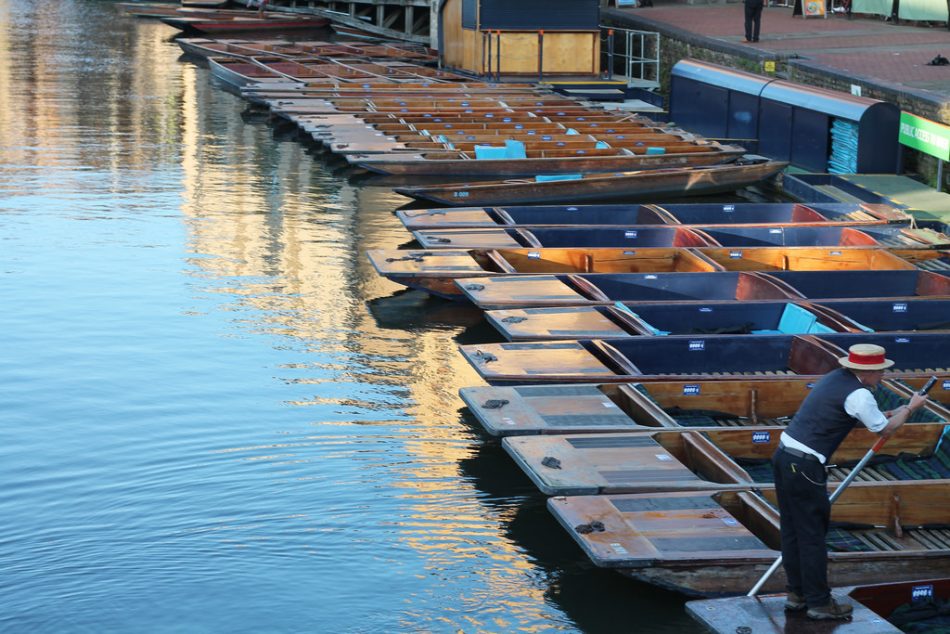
(216, 416)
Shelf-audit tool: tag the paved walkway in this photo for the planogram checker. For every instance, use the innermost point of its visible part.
(896, 55)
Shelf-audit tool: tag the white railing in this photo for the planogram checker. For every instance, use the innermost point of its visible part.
(631, 55)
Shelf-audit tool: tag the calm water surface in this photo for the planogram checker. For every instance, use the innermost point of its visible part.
(216, 417)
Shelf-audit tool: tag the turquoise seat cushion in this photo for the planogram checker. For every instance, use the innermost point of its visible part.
(490, 152)
(542, 178)
(796, 320)
(656, 150)
(515, 149)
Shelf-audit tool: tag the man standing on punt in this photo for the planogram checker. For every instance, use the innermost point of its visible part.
(832, 409)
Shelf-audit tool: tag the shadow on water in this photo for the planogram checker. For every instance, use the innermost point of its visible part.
(595, 599)
(411, 309)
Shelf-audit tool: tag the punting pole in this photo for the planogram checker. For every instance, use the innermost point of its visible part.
(540, 56)
(837, 492)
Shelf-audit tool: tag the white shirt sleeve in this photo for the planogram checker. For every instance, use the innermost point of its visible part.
(861, 405)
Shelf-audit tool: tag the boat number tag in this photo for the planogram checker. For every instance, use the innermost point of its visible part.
(836, 253)
(534, 255)
(775, 231)
(572, 209)
(617, 548)
(705, 309)
(691, 389)
(946, 385)
(697, 345)
(900, 307)
(649, 277)
(608, 404)
(629, 252)
(761, 437)
(735, 255)
(809, 385)
(460, 194)
(662, 457)
(920, 593)
(507, 421)
(730, 521)
(902, 340)
(728, 208)
(630, 234)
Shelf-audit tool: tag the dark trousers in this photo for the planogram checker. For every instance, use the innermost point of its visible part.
(800, 485)
(753, 19)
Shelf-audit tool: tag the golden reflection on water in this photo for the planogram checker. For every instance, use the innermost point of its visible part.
(299, 260)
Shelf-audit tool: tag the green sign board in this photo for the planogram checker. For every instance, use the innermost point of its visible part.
(927, 136)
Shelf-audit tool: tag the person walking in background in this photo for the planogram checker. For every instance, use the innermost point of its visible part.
(753, 19)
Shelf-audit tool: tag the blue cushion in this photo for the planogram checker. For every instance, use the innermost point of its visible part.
(796, 320)
(766, 332)
(490, 152)
(656, 150)
(571, 131)
(541, 178)
(601, 145)
(653, 330)
(515, 149)
(817, 328)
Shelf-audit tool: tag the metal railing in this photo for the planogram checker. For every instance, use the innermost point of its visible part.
(631, 55)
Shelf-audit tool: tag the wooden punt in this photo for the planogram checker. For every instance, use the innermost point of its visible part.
(633, 237)
(239, 72)
(817, 236)
(856, 284)
(463, 164)
(650, 359)
(633, 319)
(219, 24)
(936, 261)
(736, 238)
(805, 259)
(645, 214)
(435, 271)
(878, 609)
(908, 315)
(684, 357)
(720, 543)
(692, 181)
(914, 354)
(620, 407)
(695, 460)
(492, 293)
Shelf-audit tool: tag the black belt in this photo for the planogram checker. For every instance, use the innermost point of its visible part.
(798, 454)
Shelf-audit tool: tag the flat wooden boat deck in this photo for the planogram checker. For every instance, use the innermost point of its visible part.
(716, 544)
(767, 614)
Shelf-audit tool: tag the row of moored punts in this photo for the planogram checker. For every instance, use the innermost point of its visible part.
(649, 354)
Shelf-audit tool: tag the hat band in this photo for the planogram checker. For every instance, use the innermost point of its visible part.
(866, 359)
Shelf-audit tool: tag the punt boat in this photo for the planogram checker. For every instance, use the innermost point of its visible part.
(805, 259)
(684, 357)
(521, 410)
(221, 24)
(635, 236)
(854, 284)
(631, 319)
(492, 293)
(914, 315)
(646, 214)
(740, 236)
(436, 271)
(691, 460)
(540, 161)
(672, 182)
(650, 359)
(884, 608)
(720, 543)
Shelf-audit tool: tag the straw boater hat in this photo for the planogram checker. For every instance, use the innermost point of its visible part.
(865, 356)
